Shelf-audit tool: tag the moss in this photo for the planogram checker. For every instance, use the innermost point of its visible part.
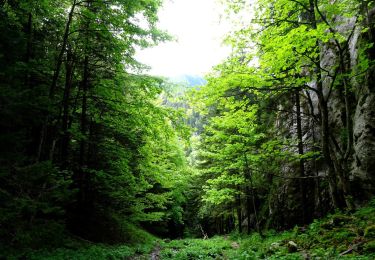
(340, 219)
(337, 220)
(369, 247)
(370, 232)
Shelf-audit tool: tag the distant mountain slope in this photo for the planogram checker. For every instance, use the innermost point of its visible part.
(189, 80)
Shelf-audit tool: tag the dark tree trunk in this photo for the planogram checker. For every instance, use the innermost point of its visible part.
(82, 208)
(250, 197)
(59, 60)
(302, 182)
(347, 151)
(29, 46)
(324, 120)
(332, 181)
(48, 130)
(82, 150)
(65, 140)
(248, 207)
(239, 213)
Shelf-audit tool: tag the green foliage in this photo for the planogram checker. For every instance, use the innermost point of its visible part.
(92, 148)
(314, 241)
(248, 143)
(370, 232)
(91, 252)
(86, 145)
(138, 242)
(195, 249)
(40, 191)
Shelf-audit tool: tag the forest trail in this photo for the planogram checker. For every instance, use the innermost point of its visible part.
(155, 254)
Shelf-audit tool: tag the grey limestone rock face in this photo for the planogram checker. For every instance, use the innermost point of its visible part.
(364, 137)
(362, 160)
(363, 166)
(363, 104)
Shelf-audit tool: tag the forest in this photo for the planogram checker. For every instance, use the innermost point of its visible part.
(272, 158)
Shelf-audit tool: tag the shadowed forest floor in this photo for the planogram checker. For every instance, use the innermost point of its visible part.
(338, 236)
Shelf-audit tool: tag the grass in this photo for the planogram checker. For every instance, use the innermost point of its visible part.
(214, 248)
(327, 238)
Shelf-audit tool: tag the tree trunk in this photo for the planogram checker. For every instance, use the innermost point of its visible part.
(324, 116)
(248, 208)
(29, 46)
(59, 60)
(302, 182)
(65, 140)
(82, 149)
(345, 64)
(251, 192)
(332, 181)
(239, 213)
(47, 136)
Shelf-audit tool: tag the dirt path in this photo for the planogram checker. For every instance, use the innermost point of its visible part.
(155, 255)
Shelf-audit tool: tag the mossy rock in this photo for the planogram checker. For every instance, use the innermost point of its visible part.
(273, 248)
(292, 247)
(370, 232)
(340, 220)
(336, 221)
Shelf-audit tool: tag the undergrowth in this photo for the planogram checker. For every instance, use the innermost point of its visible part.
(139, 242)
(338, 236)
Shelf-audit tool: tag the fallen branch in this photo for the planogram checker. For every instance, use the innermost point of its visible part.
(205, 236)
(353, 247)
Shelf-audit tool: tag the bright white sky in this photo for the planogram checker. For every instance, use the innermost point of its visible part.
(199, 31)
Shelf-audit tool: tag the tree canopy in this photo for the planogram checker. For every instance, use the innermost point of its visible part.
(92, 147)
